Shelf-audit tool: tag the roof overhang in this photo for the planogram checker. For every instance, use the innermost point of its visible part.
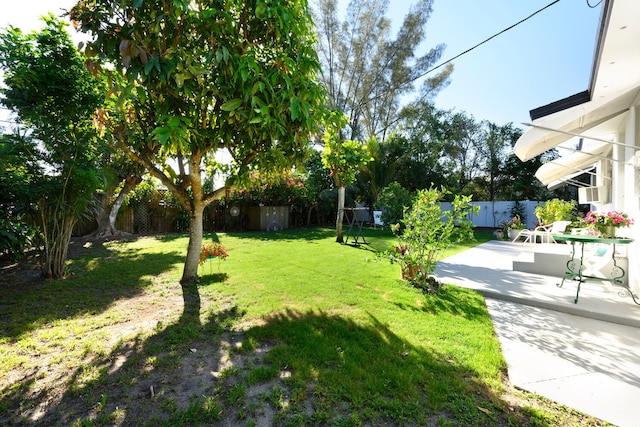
(571, 179)
(614, 86)
(577, 120)
(571, 164)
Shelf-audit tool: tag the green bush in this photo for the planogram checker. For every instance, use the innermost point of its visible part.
(427, 231)
(393, 200)
(15, 238)
(556, 210)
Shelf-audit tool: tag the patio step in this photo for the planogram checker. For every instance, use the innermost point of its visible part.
(487, 268)
(548, 263)
(551, 260)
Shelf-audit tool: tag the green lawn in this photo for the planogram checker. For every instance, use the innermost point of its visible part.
(292, 329)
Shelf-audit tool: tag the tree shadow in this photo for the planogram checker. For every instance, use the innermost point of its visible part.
(145, 380)
(170, 237)
(342, 371)
(294, 368)
(122, 275)
(191, 297)
(449, 299)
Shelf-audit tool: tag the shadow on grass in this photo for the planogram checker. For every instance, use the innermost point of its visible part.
(365, 374)
(145, 380)
(450, 299)
(323, 370)
(122, 275)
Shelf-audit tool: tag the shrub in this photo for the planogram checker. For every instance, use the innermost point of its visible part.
(556, 210)
(15, 238)
(427, 232)
(393, 200)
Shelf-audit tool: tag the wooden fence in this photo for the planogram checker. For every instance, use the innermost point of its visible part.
(154, 218)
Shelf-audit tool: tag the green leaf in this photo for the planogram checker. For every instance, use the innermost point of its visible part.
(231, 105)
(142, 95)
(150, 64)
(255, 120)
(137, 4)
(294, 110)
(174, 122)
(162, 133)
(261, 8)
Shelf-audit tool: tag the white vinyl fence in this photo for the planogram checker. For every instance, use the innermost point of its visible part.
(492, 214)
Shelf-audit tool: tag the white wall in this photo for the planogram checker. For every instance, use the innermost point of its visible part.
(629, 187)
(625, 190)
(492, 214)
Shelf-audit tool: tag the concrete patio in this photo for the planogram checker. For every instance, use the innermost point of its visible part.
(582, 355)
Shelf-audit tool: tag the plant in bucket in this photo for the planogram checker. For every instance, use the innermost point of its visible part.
(607, 223)
(513, 227)
(210, 251)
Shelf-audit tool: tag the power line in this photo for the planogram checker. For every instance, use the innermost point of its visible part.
(488, 39)
(594, 5)
(466, 51)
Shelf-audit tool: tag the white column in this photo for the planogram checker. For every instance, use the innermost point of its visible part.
(630, 187)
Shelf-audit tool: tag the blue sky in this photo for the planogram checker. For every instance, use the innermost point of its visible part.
(540, 61)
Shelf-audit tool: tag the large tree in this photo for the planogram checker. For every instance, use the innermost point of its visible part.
(463, 147)
(523, 184)
(365, 70)
(121, 175)
(202, 75)
(54, 97)
(424, 131)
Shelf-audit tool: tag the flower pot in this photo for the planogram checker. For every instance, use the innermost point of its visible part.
(513, 233)
(409, 272)
(608, 231)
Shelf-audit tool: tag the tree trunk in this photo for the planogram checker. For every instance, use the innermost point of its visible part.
(315, 205)
(107, 223)
(56, 233)
(190, 272)
(339, 237)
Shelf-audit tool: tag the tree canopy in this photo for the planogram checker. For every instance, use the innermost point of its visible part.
(195, 76)
(365, 70)
(54, 98)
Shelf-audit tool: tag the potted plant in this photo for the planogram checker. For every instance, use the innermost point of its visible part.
(606, 223)
(514, 227)
(210, 251)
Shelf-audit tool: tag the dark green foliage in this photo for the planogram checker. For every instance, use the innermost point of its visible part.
(18, 172)
(393, 201)
(54, 96)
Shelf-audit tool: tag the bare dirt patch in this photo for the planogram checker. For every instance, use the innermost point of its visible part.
(134, 362)
(147, 366)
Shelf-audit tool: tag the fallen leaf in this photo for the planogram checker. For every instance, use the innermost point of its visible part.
(486, 411)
